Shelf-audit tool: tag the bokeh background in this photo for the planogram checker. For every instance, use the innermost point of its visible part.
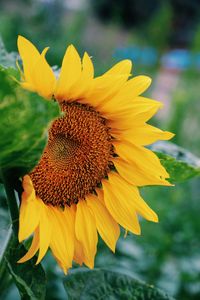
(162, 38)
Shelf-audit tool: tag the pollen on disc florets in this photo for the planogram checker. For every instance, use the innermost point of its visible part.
(77, 157)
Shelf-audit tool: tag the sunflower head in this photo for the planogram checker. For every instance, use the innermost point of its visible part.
(87, 179)
(78, 156)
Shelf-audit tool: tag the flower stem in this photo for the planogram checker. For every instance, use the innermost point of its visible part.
(11, 201)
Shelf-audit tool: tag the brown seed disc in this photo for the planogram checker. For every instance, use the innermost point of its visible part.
(77, 157)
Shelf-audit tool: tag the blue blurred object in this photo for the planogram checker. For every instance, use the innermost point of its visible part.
(176, 59)
(149, 56)
(146, 56)
(179, 59)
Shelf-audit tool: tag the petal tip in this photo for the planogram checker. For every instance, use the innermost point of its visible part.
(21, 38)
(171, 135)
(154, 218)
(20, 239)
(22, 41)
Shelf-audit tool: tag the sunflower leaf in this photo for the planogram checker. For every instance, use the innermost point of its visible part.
(30, 279)
(25, 118)
(180, 163)
(104, 284)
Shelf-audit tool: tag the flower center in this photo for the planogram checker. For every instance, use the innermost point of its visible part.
(61, 150)
(77, 157)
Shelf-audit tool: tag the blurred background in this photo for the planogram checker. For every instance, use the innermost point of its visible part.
(162, 38)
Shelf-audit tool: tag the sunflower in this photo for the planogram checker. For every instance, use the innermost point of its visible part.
(86, 182)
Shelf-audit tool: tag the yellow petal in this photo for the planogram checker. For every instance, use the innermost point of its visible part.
(86, 232)
(45, 231)
(63, 267)
(117, 197)
(127, 94)
(29, 215)
(88, 68)
(142, 208)
(58, 238)
(38, 76)
(33, 248)
(134, 175)
(79, 256)
(84, 83)
(146, 113)
(28, 86)
(104, 88)
(122, 67)
(28, 185)
(62, 238)
(69, 227)
(133, 115)
(140, 105)
(69, 74)
(144, 158)
(137, 85)
(43, 77)
(29, 55)
(131, 194)
(144, 134)
(108, 229)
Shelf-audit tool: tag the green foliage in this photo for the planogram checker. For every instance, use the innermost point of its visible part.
(158, 35)
(180, 163)
(104, 284)
(29, 278)
(195, 47)
(25, 118)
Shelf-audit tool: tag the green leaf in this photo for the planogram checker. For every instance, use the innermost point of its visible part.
(180, 163)
(29, 278)
(25, 118)
(103, 284)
